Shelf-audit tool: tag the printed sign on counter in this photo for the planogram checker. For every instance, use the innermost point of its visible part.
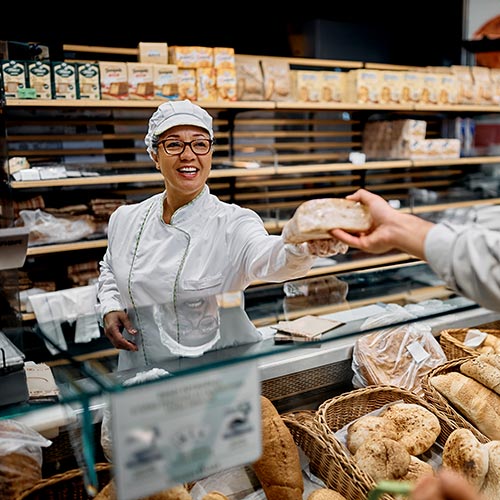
(181, 429)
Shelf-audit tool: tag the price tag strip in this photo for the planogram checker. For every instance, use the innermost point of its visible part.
(182, 429)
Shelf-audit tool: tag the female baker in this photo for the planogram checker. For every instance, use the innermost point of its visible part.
(170, 256)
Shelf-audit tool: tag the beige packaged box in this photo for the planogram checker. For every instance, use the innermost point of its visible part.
(465, 84)
(114, 80)
(277, 81)
(224, 57)
(40, 79)
(14, 75)
(166, 81)
(391, 84)
(333, 86)
(306, 85)
(448, 92)
(411, 87)
(204, 57)
(64, 76)
(495, 80)
(249, 78)
(206, 84)
(153, 53)
(431, 83)
(140, 81)
(187, 84)
(88, 81)
(483, 86)
(185, 57)
(363, 86)
(226, 84)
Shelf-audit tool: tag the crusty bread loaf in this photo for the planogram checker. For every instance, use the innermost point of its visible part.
(313, 219)
(482, 368)
(179, 492)
(478, 404)
(464, 454)
(417, 427)
(278, 468)
(369, 426)
(491, 485)
(214, 495)
(325, 494)
(383, 458)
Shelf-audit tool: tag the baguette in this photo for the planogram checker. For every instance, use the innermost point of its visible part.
(278, 469)
(314, 219)
(478, 404)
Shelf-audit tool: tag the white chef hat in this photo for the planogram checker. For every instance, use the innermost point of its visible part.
(173, 113)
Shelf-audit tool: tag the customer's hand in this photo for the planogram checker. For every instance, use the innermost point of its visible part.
(391, 229)
(445, 485)
(114, 323)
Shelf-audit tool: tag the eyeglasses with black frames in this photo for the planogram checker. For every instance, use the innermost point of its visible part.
(198, 146)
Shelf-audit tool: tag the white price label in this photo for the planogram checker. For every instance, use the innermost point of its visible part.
(181, 429)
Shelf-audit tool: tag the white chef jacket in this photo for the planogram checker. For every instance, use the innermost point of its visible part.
(467, 256)
(157, 271)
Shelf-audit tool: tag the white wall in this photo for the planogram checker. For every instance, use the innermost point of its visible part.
(477, 13)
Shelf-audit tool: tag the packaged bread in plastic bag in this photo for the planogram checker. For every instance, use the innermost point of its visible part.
(20, 457)
(400, 356)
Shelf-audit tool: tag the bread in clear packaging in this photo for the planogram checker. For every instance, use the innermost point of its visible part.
(314, 219)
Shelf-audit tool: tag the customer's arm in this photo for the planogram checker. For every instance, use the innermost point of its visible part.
(445, 485)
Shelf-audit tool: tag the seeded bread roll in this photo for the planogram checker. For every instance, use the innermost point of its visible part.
(278, 469)
(215, 495)
(383, 458)
(464, 454)
(485, 369)
(367, 427)
(417, 427)
(314, 219)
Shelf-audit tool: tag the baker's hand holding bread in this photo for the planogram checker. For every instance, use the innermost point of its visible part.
(465, 256)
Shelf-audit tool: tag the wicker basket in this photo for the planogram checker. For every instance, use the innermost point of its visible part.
(67, 485)
(452, 342)
(442, 404)
(327, 460)
(335, 413)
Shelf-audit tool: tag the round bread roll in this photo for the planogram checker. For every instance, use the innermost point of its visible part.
(325, 494)
(464, 454)
(417, 469)
(491, 485)
(367, 427)
(383, 458)
(214, 495)
(417, 427)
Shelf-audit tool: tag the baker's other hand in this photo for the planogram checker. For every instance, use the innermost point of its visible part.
(114, 323)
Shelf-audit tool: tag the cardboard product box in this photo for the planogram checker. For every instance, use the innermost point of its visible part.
(391, 84)
(153, 53)
(448, 92)
(184, 57)
(306, 85)
(206, 89)
(431, 84)
(465, 84)
(277, 80)
(39, 78)
(166, 81)
(204, 57)
(140, 81)
(411, 87)
(88, 81)
(187, 84)
(226, 84)
(483, 85)
(114, 80)
(332, 86)
(249, 78)
(224, 57)
(64, 80)
(14, 76)
(363, 86)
